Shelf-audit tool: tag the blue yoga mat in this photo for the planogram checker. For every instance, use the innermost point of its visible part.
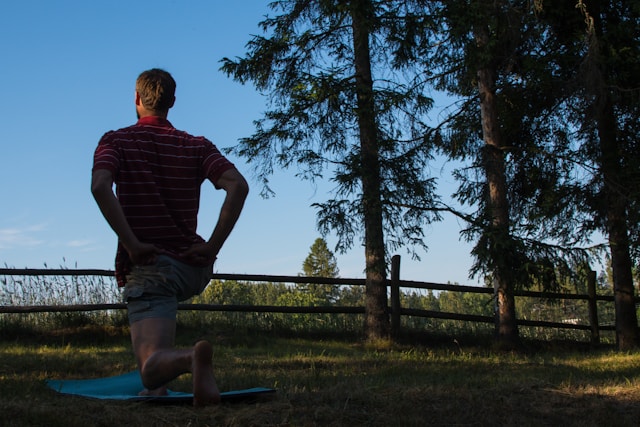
(127, 386)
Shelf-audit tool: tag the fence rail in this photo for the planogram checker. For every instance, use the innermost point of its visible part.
(395, 309)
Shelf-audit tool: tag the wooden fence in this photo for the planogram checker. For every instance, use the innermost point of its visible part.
(394, 284)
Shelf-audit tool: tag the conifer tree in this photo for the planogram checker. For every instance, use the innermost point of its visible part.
(320, 262)
(339, 106)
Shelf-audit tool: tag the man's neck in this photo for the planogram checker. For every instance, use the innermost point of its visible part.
(143, 112)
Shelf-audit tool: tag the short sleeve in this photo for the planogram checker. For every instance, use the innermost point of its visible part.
(107, 155)
(215, 164)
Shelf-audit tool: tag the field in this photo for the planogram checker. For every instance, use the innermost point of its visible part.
(330, 381)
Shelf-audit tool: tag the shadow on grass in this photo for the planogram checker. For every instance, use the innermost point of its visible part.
(329, 379)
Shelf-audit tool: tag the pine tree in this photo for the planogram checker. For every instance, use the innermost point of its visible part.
(507, 68)
(331, 113)
(320, 262)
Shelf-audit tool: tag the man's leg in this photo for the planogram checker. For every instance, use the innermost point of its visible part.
(159, 362)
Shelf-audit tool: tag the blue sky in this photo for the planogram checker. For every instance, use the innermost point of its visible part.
(68, 70)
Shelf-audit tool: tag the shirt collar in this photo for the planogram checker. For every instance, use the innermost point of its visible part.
(154, 121)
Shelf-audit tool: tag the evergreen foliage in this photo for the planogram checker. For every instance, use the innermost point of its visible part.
(339, 105)
(545, 126)
(320, 262)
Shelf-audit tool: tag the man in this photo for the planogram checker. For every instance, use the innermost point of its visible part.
(158, 171)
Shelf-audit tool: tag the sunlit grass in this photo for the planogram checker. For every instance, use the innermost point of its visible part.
(326, 381)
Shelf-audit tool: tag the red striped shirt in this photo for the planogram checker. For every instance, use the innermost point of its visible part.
(158, 171)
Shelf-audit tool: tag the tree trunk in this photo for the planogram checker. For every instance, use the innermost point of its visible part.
(626, 318)
(497, 204)
(614, 188)
(376, 315)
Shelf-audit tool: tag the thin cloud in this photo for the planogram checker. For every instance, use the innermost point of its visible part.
(20, 237)
(79, 243)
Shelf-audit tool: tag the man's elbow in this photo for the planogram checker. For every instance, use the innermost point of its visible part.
(242, 188)
(234, 184)
(95, 189)
(101, 184)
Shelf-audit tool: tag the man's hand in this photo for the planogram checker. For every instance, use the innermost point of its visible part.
(200, 254)
(142, 253)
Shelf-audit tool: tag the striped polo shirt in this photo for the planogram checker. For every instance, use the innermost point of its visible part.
(158, 171)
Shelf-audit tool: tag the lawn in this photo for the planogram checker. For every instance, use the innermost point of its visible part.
(330, 382)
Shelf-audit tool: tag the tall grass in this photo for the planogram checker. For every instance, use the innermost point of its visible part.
(56, 290)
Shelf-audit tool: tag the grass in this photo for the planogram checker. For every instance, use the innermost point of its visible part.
(326, 381)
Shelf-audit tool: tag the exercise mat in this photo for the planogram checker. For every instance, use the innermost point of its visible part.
(127, 386)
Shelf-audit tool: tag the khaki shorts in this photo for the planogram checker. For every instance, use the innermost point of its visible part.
(155, 290)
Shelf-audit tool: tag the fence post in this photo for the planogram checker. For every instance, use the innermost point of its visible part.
(395, 296)
(593, 308)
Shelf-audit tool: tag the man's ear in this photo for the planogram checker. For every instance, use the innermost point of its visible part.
(138, 100)
(173, 101)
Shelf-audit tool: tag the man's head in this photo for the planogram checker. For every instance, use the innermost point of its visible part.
(155, 92)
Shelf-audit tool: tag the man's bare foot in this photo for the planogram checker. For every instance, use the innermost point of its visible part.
(205, 389)
(162, 391)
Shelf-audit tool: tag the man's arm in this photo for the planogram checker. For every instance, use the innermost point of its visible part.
(237, 189)
(102, 190)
